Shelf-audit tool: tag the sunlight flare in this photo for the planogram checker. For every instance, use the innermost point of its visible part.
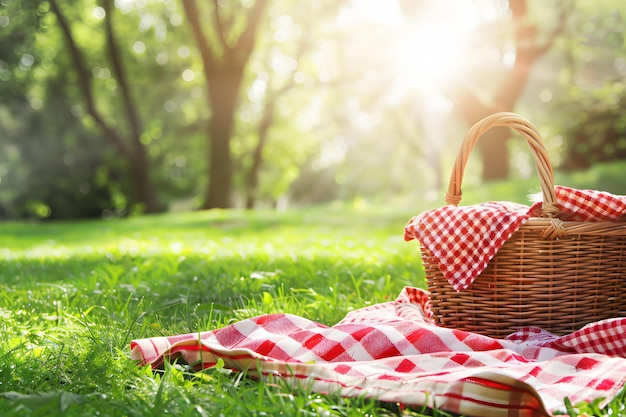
(432, 48)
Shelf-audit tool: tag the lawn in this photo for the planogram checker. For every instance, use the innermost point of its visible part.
(74, 294)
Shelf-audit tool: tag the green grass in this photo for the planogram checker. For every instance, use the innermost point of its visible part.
(74, 294)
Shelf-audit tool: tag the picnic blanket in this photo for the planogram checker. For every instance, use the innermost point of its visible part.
(452, 233)
(393, 352)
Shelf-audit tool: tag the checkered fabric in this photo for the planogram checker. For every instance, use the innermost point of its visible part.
(393, 352)
(454, 234)
(587, 205)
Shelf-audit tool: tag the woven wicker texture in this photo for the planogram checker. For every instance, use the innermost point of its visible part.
(554, 274)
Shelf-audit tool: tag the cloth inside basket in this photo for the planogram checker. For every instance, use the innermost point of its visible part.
(393, 352)
(463, 239)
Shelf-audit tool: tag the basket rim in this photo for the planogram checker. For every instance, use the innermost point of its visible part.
(554, 228)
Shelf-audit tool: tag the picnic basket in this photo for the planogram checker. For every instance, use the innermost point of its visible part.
(554, 274)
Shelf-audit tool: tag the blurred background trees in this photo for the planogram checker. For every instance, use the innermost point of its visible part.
(115, 107)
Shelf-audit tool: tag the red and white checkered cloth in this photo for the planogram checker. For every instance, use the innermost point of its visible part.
(393, 352)
(464, 239)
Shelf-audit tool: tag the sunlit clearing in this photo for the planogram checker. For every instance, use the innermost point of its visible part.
(433, 48)
(430, 46)
(428, 57)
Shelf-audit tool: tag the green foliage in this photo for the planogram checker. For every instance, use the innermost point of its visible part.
(341, 125)
(20, 22)
(53, 125)
(589, 108)
(281, 74)
(597, 131)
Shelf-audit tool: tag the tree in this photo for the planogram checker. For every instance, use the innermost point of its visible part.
(597, 132)
(224, 68)
(20, 23)
(593, 92)
(283, 71)
(127, 143)
(43, 107)
(267, 119)
(475, 102)
(491, 86)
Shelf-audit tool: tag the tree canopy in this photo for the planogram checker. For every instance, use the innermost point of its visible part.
(111, 108)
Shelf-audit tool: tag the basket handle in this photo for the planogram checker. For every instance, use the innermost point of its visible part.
(533, 138)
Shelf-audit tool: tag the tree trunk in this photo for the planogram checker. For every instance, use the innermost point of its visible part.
(132, 150)
(491, 146)
(143, 187)
(252, 185)
(145, 193)
(223, 101)
(223, 73)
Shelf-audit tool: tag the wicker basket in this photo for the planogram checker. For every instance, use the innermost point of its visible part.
(553, 274)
